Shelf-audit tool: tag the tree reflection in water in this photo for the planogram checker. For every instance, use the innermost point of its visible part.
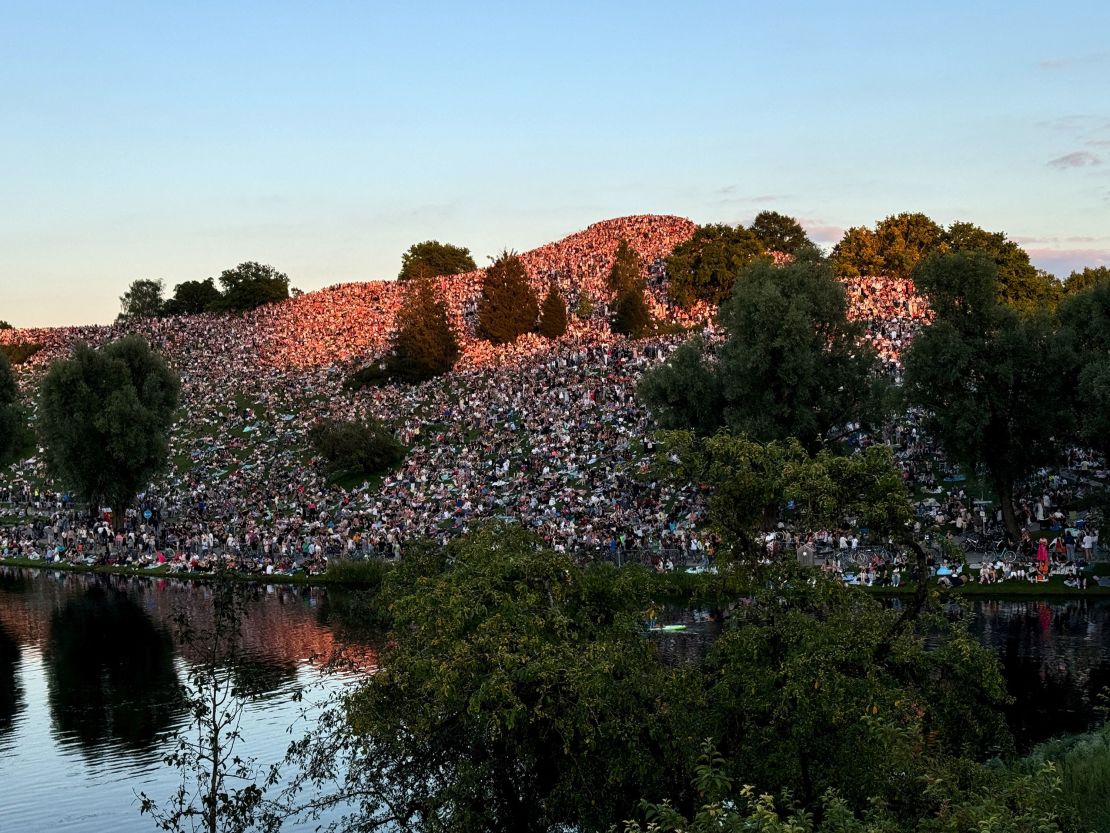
(11, 695)
(110, 672)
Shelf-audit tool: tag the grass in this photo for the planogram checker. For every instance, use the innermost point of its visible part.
(1083, 763)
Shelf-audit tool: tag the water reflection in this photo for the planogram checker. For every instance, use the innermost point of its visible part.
(110, 672)
(11, 693)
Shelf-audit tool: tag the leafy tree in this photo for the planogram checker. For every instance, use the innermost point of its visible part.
(507, 307)
(857, 254)
(894, 248)
(705, 266)
(193, 297)
(792, 364)
(553, 313)
(4, 325)
(432, 259)
(516, 694)
(1020, 285)
(1085, 320)
(362, 445)
(686, 390)
(424, 345)
(11, 420)
(104, 418)
(1085, 279)
(994, 385)
(251, 285)
(995, 800)
(778, 232)
(20, 352)
(143, 299)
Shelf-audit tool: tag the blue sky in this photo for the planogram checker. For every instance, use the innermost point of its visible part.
(173, 140)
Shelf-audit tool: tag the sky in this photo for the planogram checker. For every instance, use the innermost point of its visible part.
(174, 140)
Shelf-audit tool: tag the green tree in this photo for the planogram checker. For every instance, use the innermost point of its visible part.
(704, 267)
(1020, 284)
(685, 391)
(516, 694)
(994, 385)
(631, 316)
(1085, 320)
(11, 420)
(1080, 280)
(792, 364)
(4, 325)
(193, 297)
(904, 239)
(778, 232)
(251, 285)
(360, 445)
(585, 306)
(553, 313)
(857, 254)
(424, 345)
(627, 269)
(143, 299)
(507, 308)
(104, 419)
(432, 259)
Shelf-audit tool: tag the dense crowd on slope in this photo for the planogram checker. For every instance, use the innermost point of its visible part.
(548, 435)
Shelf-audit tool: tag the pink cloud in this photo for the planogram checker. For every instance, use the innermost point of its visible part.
(821, 232)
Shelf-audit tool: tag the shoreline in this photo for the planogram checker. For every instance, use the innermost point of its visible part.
(1052, 589)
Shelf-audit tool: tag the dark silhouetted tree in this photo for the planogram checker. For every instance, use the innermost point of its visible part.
(424, 344)
(507, 307)
(143, 299)
(627, 269)
(360, 445)
(193, 297)
(778, 232)
(251, 285)
(553, 313)
(432, 259)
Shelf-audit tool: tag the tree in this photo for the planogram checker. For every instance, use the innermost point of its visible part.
(424, 345)
(432, 259)
(792, 364)
(362, 445)
(1085, 321)
(507, 307)
(1020, 284)
(631, 316)
(778, 232)
(627, 269)
(4, 325)
(251, 285)
(143, 299)
(193, 298)
(995, 385)
(553, 313)
(516, 694)
(685, 391)
(1085, 279)
(104, 420)
(857, 254)
(705, 266)
(11, 420)
(585, 306)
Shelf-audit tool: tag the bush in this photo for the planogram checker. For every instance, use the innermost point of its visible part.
(356, 446)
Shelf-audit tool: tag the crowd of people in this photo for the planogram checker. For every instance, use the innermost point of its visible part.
(549, 435)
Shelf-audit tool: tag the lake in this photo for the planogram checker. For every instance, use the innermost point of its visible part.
(89, 666)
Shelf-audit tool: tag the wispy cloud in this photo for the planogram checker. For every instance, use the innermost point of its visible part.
(1078, 159)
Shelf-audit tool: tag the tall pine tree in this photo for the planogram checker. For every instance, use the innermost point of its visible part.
(626, 269)
(507, 308)
(631, 316)
(553, 317)
(424, 344)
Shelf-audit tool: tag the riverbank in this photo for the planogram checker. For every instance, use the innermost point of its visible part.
(343, 574)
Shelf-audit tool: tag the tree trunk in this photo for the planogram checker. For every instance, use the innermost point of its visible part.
(1005, 491)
